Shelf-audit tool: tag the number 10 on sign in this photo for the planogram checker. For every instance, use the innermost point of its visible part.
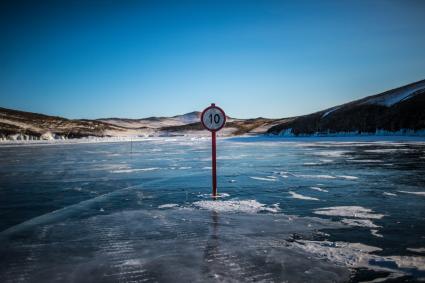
(213, 119)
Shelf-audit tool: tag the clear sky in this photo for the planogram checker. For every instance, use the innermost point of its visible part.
(92, 59)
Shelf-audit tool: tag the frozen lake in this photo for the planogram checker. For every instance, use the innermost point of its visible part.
(295, 210)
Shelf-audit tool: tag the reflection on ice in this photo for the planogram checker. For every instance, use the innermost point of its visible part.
(170, 245)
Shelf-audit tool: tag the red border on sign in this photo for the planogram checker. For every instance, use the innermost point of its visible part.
(202, 117)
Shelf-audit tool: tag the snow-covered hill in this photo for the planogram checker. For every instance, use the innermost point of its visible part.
(397, 111)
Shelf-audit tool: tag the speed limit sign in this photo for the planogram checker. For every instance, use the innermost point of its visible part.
(213, 119)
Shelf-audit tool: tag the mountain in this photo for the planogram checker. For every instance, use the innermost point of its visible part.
(154, 122)
(397, 111)
(16, 124)
(20, 125)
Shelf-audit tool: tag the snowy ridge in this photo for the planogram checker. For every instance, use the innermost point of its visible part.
(329, 111)
(398, 95)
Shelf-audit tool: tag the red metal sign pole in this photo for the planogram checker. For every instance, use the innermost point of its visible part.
(213, 119)
(214, 165)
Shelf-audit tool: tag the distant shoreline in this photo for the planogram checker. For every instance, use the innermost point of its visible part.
(242, 138)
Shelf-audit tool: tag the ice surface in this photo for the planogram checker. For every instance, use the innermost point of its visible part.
(70, 219)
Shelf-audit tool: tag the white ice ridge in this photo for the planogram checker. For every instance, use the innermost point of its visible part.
(389, 194)
(349, 211)
(413, 193)
(135, 170)
(246, 206)
(298, 196)
(268, 179)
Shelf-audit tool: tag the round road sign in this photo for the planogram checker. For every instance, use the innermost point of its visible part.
(213, 118)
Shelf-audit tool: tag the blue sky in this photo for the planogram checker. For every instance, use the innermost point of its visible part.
(92, 59)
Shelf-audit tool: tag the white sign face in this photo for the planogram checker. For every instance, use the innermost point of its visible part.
(213, 118)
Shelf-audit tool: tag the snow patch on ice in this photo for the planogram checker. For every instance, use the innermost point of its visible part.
(319, 189)
(365, 160)
(245, 206)
(387, 150)
(389, 194)
(268, 179)
(311, 163)
(135, 170)
(357, 255)
(131, 262)
(413, 193)
(317, 176)
(375, 233)
(168, 205)
(346, 177)
(416, 250)
(219, 195)
(332, 153)
(349, 211)
(359, 223)
(299, 196)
